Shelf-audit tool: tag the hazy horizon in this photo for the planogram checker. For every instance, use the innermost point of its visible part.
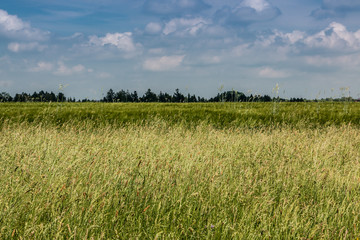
(311, 48)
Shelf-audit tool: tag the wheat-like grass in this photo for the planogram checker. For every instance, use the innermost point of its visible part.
(171, 182)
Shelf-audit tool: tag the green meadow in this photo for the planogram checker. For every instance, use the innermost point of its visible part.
(219, 115)
(180, 171)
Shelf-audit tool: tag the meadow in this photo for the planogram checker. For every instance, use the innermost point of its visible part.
(219, 115)
(180, 171)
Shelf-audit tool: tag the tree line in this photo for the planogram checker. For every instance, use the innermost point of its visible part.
(126, 96)
(150, 96)
(177, 96)
(41, 96)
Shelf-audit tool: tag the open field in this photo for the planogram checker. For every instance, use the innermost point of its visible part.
(170, 171)
(219, 115)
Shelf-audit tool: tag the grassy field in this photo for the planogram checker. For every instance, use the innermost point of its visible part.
(170, 171)
(219, 115)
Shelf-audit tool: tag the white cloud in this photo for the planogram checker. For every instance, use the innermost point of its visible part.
(185, 26)
(20, 47)
(164, 63)
(336, 36)
(287, 38)
(13, 27)
(153, 28)
(64, 70)
(42, 66)
(122, 41)
(11, 22)
(293, 37)
(269, 72)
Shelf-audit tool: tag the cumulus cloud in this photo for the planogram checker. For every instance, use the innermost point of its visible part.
(13, 27)
(174, 7)
(41, 67)
(269, 72)
(122, 41)
(184, 26)
(20, 47)
(335, 37)
(279, 37)
(164, 63)
(64, 70)
(247, 12)
(335, 8)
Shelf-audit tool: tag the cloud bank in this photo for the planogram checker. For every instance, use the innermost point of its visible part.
(335, 37)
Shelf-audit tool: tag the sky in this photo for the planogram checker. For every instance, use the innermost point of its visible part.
(310, 48)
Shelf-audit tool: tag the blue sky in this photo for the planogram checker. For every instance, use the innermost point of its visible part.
(311, 48)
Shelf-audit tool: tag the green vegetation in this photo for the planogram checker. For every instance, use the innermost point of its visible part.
(179, 171)
(220, 115)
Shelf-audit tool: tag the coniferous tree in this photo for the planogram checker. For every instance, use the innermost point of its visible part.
(193, 98)
(135, 97)
(119, 96)
(61, 97)
(149, 96)
(162, 97)
(110, 96)
(178, 96)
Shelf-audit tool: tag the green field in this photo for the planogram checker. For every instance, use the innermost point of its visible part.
(180, 171)
(219, 115)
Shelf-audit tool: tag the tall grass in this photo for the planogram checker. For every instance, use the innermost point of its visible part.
(166, 181)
